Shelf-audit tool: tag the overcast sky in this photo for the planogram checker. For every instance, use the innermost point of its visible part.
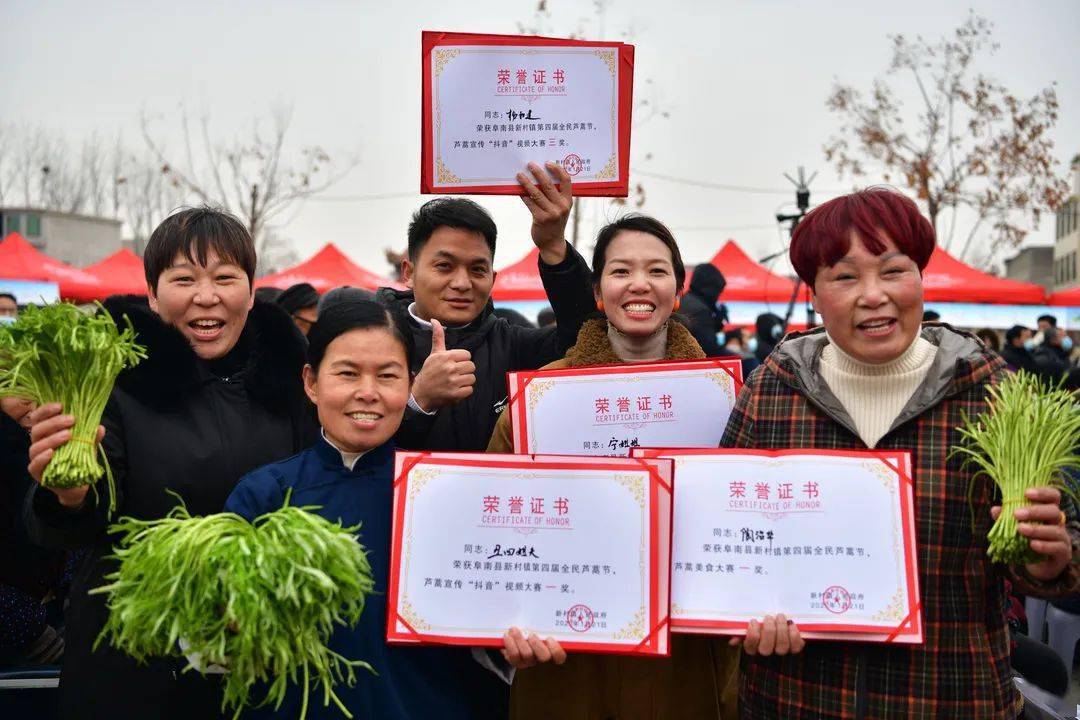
(744, 83)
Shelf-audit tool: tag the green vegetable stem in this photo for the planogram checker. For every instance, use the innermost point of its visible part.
(260, 599)
(58, 353)
(1025, 439)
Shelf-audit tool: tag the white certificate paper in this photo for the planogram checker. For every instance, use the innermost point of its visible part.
(493, 104)
(825, 537)
(607, 410)
(573, 548)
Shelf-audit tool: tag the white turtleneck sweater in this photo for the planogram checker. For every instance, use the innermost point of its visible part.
(874, 395)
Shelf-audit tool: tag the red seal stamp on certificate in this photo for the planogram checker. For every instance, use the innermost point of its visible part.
(836, 600)
(572, 164)
(579, 618)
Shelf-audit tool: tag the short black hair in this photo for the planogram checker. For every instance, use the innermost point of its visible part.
(931, 316)
(10, 297)
(297, 297)
(1048, 318)
(268, 294)
(640, 223)
(195, 232)
(734, 334)
(1014, 333)
(342, 317)
(449, 212)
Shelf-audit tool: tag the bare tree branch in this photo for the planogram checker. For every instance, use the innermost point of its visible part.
(996, 156)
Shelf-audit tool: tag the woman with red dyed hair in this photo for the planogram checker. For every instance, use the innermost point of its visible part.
(875, 377)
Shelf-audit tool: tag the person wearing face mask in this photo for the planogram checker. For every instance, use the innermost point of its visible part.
(1051, 353)
(699, 306)
(637, 270)
(875, 377)
(768, 329)
(357, 375)
(219, 394)
(9, 308)
(1017, 349)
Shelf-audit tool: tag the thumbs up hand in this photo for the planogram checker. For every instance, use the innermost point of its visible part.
(447, 375)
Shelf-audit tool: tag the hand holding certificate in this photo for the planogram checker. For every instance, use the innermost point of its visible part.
(825, 537)
(576, 549)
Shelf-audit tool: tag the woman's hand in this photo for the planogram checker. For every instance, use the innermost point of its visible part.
(49, 430)
(1043, 524)
(775, 635)
(522, 652)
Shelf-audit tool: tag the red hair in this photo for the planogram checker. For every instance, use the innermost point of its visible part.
(824, 236)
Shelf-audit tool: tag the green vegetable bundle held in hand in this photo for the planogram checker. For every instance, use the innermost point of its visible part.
(1026, 439)
(58, 353)
(260, 599)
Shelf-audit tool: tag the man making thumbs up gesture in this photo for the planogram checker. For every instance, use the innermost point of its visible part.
(466, 351)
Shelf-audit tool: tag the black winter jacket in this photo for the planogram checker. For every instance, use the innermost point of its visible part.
(704, 318)
(173, 422)
(497, 348)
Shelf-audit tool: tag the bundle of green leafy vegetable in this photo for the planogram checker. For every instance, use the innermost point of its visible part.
(58, 353)
(1025, 439)
(260, 599)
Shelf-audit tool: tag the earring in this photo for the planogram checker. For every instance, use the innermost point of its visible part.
(600, 305)
(678, 302)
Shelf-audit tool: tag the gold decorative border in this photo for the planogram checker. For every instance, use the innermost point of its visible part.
(444, 175)
(635, 484)
(608, 56)
(634, 629)
(443, 58)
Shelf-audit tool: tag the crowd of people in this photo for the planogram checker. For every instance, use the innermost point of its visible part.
(248, 396)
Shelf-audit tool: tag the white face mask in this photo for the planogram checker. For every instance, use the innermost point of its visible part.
(751, 345)
(7, 320)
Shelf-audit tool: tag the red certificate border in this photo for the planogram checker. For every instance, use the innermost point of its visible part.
(661, 470)
(517, 382)
(432, 39)
(910, 629)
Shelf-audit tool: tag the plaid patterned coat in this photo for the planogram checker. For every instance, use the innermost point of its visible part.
(962, 670)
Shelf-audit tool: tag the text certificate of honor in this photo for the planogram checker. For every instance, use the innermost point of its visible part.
(574, 548)
(493, 103)
(826, 537)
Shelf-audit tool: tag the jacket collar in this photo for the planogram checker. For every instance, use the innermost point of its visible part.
(594, 348)
(466, 337)
(172, 370)
(369, 461)
(961, 362)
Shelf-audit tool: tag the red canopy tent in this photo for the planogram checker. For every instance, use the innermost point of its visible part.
(520, 281)
(325, 270)
(747, 281)
(121, 273)
(19, 260)
(946, 279)
(1067, 298)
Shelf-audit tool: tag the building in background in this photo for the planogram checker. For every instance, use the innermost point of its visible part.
(1067, 236)
(1034, 264)
(74, 239)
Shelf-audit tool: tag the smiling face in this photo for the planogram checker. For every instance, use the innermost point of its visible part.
(361, 388)
(871, 305)
(451, 277)
(209, 303)
(637, 285)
